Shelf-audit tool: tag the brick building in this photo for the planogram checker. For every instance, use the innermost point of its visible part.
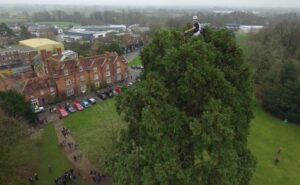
(39, 91)
(73, 76)
(15, 56)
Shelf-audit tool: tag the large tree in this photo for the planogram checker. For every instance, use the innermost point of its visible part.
(189, 116)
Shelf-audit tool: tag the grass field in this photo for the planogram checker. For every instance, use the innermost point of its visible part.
(135, 61)
(12, 20)
(59, 24)
(95, 128)
(267, 135)
(49, 153)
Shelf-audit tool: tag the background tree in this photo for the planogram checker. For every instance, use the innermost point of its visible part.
(25, 34)
(189, 116)
(15, 105)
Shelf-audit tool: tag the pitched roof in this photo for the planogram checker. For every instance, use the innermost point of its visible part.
(37, 83)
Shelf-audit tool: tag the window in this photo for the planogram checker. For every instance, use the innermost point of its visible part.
(96, 77)
(68, 82)
(66, 72)
(80, 68)
(125, 75)
(119, 76)
(42, 92)
(52, 91)
(95, 69)
(97, 84)
(69, 92)
(108, 80)
(118, 64)
(81, 77)
(107, 66)
(118, 70)
(107, 73)
(83, 88)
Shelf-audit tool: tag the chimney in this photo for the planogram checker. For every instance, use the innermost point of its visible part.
(59, 52)
(43, 55)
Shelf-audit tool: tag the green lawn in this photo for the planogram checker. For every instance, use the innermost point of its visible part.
(49, 153)
(60, 24)
(266, 136)
(135, 61)
(95, 128)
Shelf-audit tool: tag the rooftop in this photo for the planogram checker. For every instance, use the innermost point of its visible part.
(39, 42)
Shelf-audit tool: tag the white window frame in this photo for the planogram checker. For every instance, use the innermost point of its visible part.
(97, 84)
(68, 82)
(66, 72)
(83, 88)
(69, 92)
(108, 80)
(95, 69)
(118, 64)
(42, 92)
(96, 76)
(118, 70)
(81, 77)
(119, 77)
(107, 73)
(107, 66)
(80, 68)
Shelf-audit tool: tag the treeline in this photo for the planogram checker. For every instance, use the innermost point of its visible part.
(275, 55)
(166, 18)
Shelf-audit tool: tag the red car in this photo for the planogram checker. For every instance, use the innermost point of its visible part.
(62, 112)
(77, 106)
(118, 89)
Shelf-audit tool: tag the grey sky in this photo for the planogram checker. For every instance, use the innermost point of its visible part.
(227, 3)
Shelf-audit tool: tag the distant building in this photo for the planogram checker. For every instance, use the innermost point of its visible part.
(16, 56)
(233, 27)
(42, 44)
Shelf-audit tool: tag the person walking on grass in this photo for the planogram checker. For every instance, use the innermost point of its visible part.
(277, 159)
(49, 169)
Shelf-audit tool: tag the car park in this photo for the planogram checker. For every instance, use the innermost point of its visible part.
(77, 106)
(85, 104)
(92, 101)
(109, 94)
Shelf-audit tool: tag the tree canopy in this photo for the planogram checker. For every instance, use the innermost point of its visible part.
(15, 105)
(189, 115)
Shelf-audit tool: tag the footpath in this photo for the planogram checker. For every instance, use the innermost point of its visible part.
(82, 163)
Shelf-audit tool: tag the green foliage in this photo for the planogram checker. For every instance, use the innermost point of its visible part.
(189, 116)
(136, 61)
(111, 47)
(15, 105)
(25, 34)
(83, 49)
(5, 31)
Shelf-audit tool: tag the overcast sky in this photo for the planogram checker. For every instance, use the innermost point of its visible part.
(227, 3)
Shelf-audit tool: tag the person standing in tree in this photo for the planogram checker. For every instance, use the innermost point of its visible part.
(196, 29)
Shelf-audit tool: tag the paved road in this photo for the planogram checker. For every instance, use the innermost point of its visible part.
(132, 55)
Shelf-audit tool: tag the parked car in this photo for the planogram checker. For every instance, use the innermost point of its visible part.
(62, 112)
(103, 96)
(118, 89)
(92, 101)
(70, 108)
(109, 93)
(85, 104)
(38, 109)
(115, 93)
(77, 106)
